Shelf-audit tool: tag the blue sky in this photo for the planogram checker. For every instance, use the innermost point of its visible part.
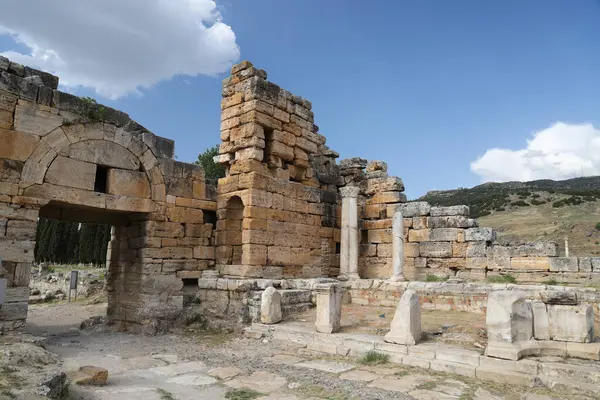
(428, 86)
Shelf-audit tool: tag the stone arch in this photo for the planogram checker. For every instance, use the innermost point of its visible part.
(95, 143)
(233, 229)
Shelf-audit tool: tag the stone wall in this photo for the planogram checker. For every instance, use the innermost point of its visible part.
(69, 158)
(277, 207)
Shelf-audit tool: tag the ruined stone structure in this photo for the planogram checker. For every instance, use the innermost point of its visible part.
(287, 214)
(68, 158)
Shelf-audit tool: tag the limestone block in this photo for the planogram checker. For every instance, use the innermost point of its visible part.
(435, 249)
(17, 145)
(449, 211)
(278, 255)
(387, 197)
(249, 153)
(71, 173)
(380, 236)
(563, 264)
(459, 249)
(254, 254)
(585, 264)
(420, 223)
(21, 230)
(204, 252)
(530, 263)
(406, 325)
(476, 263)
(540, 320)
(480, 234)
(595, 264)
(13, 311)
(329, 307)
(444, 235)
(419, 235)
(414, 208)
(104, 153)
(509, 318)
(571, 323)
(456, 221)
(17, 250)
(36, 119)
(128, 183)
(477, 249)
(270, 306)
(386, 184)
(559, 297)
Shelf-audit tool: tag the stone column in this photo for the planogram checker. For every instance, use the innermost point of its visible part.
(349, 236)
(329, 307)
(398, 247)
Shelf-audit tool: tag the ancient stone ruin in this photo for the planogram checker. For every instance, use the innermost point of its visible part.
(287, 215)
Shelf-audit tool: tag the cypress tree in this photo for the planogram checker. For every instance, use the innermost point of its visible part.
(73, 243)
(105, 241)
(85, 240)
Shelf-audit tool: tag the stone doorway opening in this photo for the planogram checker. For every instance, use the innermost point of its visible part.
(100, 244)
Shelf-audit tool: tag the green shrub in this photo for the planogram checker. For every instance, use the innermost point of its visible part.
(520, 203)
(435, 278)
(243, 394)
(502, 279)
(500, 209)
(535, 202)
(598, 226)
(551, 282)
(374, 358)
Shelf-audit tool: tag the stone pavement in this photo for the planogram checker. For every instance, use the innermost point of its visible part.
(166, 377)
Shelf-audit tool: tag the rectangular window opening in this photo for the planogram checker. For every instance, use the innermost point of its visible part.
(338, 247)
(100, 185)
(268, 141)
(210, 217)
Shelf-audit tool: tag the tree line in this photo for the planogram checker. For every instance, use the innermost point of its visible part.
(68, 242)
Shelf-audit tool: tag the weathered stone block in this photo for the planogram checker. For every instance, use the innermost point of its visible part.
(476, 249)
(329, 307)
(530, 263)
(414, 209)
(270, 306)
(563, 264)
(419, 235)
(540, 320)
(104, 153)
(406, 325)
(36, 119)
(71, 173)
(449, 211)
(457, 221)
(585, 264)
(254, 254)
(444, 235)
(509, 317)
(435, 249)
(480, 234)
(128, 183)
(16, 145)
(571, 323)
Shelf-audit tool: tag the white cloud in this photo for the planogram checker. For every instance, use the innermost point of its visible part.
(561, 151)
(117, 47)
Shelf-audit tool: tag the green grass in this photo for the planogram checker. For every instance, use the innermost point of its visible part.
(374, 358)
(435, 278)
(552, 282)
(165, 395)
(502, 279)
(427, 385)
(243, 394)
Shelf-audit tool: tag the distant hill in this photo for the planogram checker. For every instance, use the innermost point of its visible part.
(535, 210)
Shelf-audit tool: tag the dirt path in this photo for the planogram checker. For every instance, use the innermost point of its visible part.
(197, 365)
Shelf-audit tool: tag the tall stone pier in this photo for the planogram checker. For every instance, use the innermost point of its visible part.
(349, 238)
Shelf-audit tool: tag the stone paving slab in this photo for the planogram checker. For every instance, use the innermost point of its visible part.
(261, 381)
(326, 366)
(404, 384)
(283, 359)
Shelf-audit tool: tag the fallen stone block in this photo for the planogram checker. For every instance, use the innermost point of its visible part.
(270, 306)
(563, 264)
(568, 298)
(406, 325)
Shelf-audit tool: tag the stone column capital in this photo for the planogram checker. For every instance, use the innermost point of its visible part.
(349, 191)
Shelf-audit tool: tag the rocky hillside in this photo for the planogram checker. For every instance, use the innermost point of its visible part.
(535, 210)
